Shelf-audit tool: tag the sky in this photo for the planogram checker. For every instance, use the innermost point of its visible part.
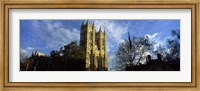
(48, 35)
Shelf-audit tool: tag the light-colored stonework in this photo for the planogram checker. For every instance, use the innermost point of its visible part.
(95, 47)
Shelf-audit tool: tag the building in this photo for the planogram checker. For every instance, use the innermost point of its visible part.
(94, 44)
(40, 61)
(37, 53)
(155, 65)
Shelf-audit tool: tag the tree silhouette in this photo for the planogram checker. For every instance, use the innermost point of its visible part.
(70, 57)
(173, 44)
(129, 56)
(137, 54)
(74, 57)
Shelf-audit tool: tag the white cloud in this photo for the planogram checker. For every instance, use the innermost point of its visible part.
(30, 48)
(23, 51)
(153, 36)
(156, 37)
(114, 34)
(113, 30)
(23, 55)
(54, 34)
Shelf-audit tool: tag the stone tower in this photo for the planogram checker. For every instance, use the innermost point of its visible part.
(95, 47)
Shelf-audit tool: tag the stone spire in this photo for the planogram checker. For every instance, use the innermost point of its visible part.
(82, 23)
(33, 53)
(36, 51)
(87, 23)
(129, 38)
(100, 29)
(93, 24)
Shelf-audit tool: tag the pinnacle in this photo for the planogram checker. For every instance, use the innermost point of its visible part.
(82, 23)
(88, 22)
(100, 29)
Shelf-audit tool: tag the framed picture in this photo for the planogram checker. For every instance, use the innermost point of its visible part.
(100, 45)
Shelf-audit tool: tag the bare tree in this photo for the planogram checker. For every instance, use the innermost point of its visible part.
(132, 54)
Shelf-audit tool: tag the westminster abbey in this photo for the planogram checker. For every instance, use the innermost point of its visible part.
(94, 43)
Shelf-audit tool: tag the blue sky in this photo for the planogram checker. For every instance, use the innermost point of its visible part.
(48, 35)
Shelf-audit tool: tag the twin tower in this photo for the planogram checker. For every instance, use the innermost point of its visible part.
(95, 47)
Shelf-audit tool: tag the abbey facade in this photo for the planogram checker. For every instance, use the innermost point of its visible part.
(94, 44)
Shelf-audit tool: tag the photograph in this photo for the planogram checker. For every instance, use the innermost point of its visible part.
(100, 45)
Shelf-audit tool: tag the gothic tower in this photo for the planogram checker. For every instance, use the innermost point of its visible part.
(95, 47)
